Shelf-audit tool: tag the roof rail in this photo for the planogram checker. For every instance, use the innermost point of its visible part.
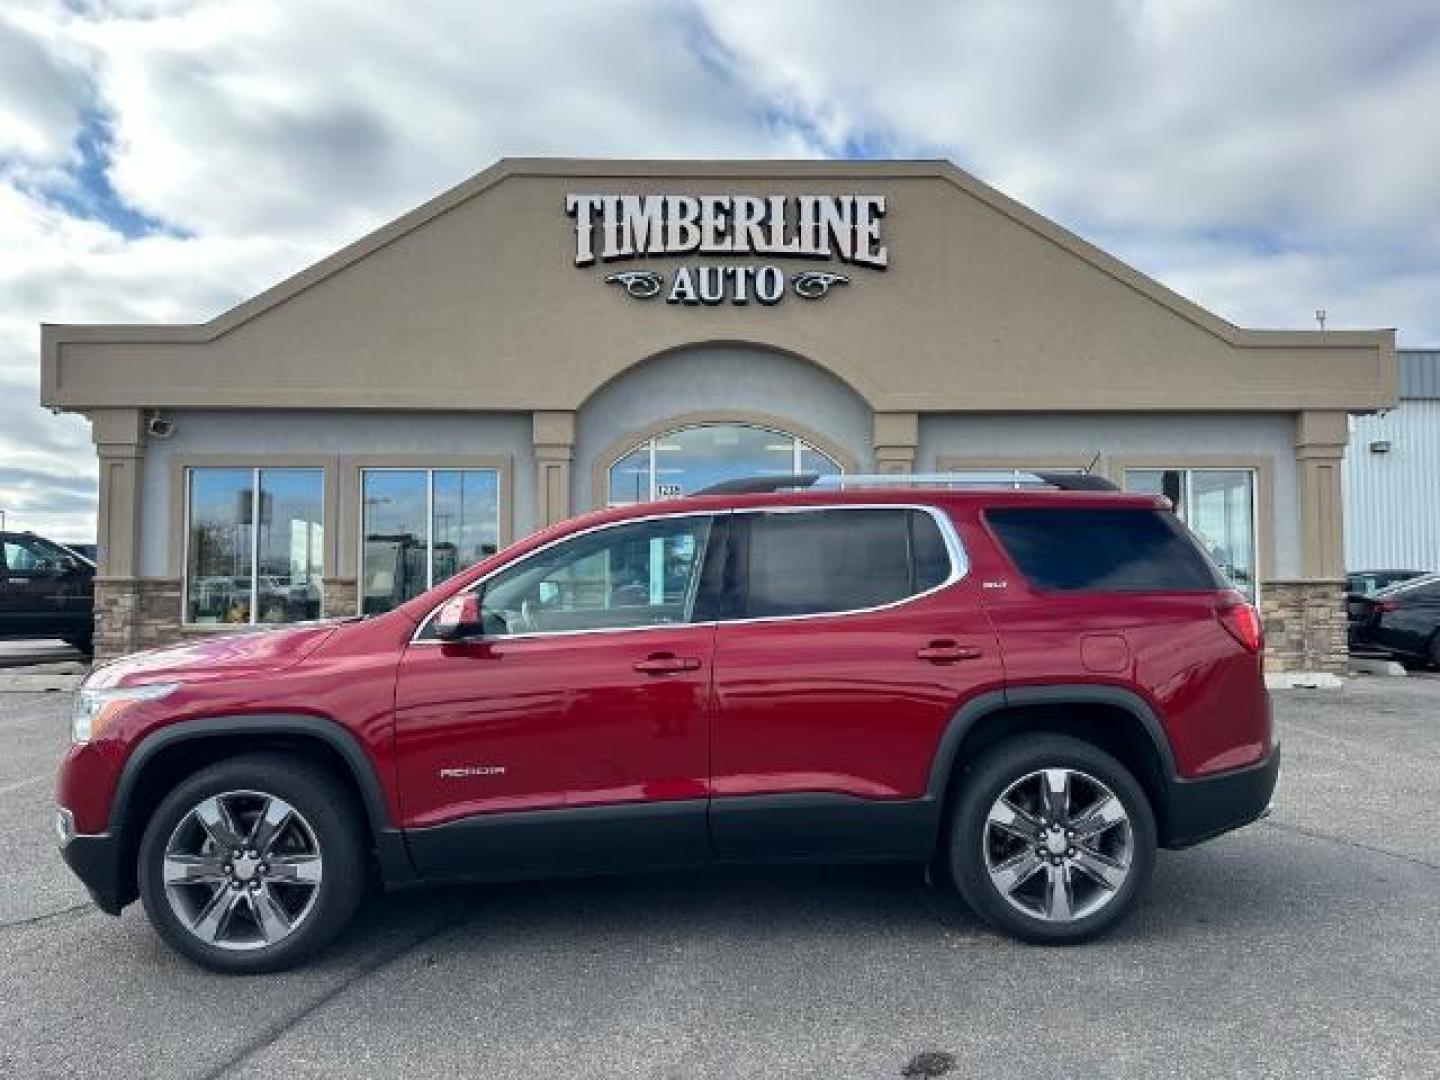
(760, 485)
(988, 478)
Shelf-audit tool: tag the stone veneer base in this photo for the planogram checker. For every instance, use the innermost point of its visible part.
(142, 613)
(1305, 630)
(1305, 627)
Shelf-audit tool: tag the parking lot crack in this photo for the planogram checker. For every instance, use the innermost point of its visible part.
(273, 1033)
(1314, 834)
(48, 916)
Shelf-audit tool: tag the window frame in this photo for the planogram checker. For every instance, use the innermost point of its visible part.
(363, 468)
(959, 568)
(187, 470)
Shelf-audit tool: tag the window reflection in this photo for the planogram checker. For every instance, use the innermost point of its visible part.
(684, 461)
(632, 575)
(1219, 507)
(255, 542)
(421, 526)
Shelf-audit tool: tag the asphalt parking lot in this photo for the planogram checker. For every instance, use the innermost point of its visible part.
(42, 651)
(1305, 945)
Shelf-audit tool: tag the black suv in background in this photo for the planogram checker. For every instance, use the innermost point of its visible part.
(46, 591)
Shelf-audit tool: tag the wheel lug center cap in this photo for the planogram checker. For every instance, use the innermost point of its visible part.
(1056, 843)
(245, 867)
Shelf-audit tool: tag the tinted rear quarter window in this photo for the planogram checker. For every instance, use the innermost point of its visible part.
(1102, 550)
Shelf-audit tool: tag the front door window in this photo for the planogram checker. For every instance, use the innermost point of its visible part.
(643, 574)
(689, 459)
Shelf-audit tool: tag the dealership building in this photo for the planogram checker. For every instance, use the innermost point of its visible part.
(556, 335)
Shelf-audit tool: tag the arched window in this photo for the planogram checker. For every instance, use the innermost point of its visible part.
(690, 458)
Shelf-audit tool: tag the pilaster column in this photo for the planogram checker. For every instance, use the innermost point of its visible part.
(896, 435)
(119, 437)
(1320, 438)
(554, 437)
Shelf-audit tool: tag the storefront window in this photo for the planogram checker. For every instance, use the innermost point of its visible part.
(1219, 507)
(255, 540)
(689, 459)
(422, 526)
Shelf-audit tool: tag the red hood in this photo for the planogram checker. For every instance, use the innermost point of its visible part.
(220, 657)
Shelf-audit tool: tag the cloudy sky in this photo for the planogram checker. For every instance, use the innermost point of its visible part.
(163, 159)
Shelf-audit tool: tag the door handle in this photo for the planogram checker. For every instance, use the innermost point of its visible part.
(947, 652)
(666, 664)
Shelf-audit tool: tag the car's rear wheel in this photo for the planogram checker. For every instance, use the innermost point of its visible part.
(253, 864)
(1051, 839)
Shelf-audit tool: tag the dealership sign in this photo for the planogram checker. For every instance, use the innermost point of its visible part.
(832, 228)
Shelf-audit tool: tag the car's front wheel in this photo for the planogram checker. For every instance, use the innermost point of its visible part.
(253, 864)
(1051, 839)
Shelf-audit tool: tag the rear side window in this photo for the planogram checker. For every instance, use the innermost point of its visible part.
(810, 562)
(1103, 550)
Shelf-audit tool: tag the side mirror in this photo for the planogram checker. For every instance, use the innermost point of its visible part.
(459, 618)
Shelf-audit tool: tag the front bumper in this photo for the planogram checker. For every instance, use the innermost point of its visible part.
(1198, 809)
(96, 860)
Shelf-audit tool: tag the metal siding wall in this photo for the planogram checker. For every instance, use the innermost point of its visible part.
(1419, 373)
(1392, 501)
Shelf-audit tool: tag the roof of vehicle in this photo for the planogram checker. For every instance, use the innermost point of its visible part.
(898, 494)
(1424, 581)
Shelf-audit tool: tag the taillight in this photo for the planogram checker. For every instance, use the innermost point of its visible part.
(1382, 606)
(1243, 622)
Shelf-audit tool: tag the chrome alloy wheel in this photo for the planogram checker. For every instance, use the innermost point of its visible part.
(242, 870)
(1058, 845)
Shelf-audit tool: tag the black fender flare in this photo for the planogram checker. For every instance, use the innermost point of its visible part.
(389, 841)
(982, 705)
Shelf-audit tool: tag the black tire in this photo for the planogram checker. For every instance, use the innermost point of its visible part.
(1433, 653)
(330, 814)
(963, 854)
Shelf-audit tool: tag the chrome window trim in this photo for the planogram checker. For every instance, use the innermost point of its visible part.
(959, 568)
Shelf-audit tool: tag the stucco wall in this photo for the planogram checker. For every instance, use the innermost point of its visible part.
(1163, 437)
(475, 301)
(331, 433)
(728, 381)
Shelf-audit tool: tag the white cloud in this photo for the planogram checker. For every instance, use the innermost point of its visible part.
(43, 91)
(1263, 159)
(321, 118)
(1302, 130)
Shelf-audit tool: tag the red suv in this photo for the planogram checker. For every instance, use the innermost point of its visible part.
(1030, 689)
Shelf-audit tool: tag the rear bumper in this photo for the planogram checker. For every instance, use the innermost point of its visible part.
(1197, 810)
(95, 859)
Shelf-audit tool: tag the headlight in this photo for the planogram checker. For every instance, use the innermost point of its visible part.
(95, 708)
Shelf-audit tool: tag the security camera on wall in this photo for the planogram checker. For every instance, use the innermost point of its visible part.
(157, 427)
